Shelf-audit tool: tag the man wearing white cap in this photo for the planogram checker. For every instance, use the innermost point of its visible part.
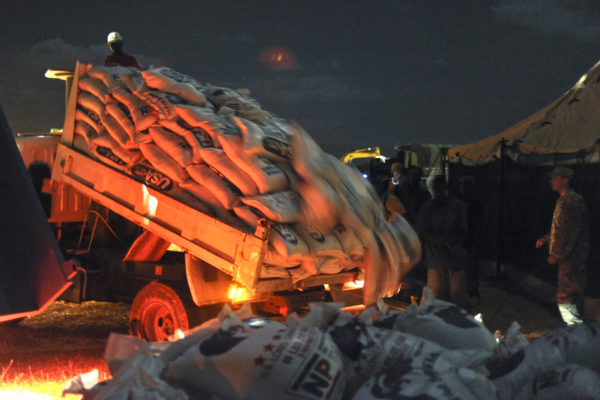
(118, 56)
(568, 244)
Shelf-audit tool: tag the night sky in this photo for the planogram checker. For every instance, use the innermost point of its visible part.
(367, 73)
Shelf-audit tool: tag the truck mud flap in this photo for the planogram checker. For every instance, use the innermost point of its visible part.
(33, 271)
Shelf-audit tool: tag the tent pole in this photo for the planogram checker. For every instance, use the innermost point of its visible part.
(501, 206)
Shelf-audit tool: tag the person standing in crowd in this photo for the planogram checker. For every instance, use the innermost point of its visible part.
(568, 245)
(442, 225)
(412, 194)
(391, 201)
(118, 56)
(475, 223)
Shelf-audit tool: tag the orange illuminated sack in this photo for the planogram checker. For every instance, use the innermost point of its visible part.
(272, 257)
(162, 102)
(213, 182)
(176, 146)
(142, 114)
(167, 80)
(109, 151)
(246, 214)
(330, 265)
(217, 159)
(269, 271)
(89, 117)
(267, 176)
(86, 131)
(201, 193)
(288, 243)
(278, 207)
(197, 137)
(220, 128)
(163, 162)
(115, 130)
(93, 86)
(115, 111)
(90, 102)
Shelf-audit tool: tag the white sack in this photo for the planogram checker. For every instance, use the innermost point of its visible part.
(93, 86)
(245, 362)
(119, 112)
(89, 117)
(162, 102)
(142, 114)
(286, 241)
(163, 162)
(115, 130)
(213, 182)
(167, 80)
(174, 145)
(270, 139)
(241, 104)
(217, 159)
(109, 151)
(90, 102)
(569, 382)
(445, 324)
(278, 207)
(86, 131)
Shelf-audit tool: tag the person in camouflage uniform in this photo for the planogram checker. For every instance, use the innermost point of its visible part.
(568, 243)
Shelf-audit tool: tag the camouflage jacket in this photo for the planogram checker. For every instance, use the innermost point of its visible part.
(569, 235)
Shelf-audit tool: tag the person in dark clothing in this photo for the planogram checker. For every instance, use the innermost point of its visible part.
(118, 57)
(475, 222)
(412, 195)
(442, 225)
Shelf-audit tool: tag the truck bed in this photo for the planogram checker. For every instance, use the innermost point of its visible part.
(232, 250)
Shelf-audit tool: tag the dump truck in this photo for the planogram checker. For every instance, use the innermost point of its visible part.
(184, 264)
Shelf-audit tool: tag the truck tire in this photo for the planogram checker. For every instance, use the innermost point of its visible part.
(158, 310)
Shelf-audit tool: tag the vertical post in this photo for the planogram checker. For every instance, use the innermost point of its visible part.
(501, 208)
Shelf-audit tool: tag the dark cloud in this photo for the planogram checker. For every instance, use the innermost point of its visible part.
(571, 18)
(297, 90)
(34, 103)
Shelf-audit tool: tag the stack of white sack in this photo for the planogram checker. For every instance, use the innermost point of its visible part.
(217, 150)
(431, 351)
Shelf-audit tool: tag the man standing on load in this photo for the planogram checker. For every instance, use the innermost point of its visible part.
(568, 245)
(118, 57)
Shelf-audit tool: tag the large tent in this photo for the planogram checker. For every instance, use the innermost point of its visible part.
(561, 132)
(510, 170)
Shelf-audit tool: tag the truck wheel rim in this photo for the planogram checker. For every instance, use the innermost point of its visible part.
(158, 322)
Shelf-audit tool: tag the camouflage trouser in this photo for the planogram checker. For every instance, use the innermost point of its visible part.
(570, 289)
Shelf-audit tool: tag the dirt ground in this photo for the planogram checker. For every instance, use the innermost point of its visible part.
(63, 341)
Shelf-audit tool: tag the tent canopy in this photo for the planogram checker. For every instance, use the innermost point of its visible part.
(566, 128)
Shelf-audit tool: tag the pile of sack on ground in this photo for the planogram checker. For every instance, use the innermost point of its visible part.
(435, 350)
(218, 151)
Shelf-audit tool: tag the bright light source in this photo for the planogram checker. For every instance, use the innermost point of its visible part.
(150, 202)
(238, 294)
(353, 285)
(326, 286)
(365, 175)
(232, 291)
